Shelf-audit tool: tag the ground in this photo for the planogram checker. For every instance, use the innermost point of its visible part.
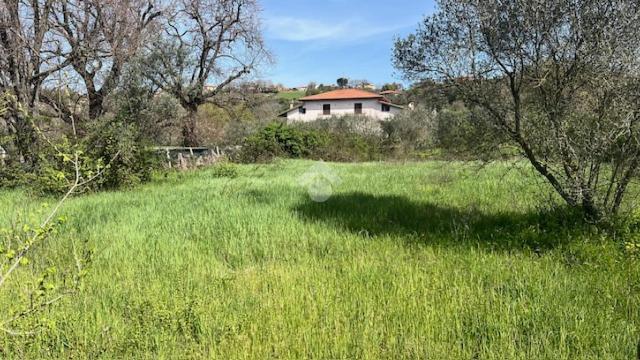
(420, 260)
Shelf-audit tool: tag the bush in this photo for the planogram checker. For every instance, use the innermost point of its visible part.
(351, 147)
(349, 138)
(109, 147)
(225, 170)
(410, 132)
(280, 140)
(117, 144)
(54, 172)
(453, 132)
(13, 175)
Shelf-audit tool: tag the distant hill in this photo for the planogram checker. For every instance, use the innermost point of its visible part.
(291, 95)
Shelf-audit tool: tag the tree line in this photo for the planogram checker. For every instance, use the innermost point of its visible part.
(190, 49)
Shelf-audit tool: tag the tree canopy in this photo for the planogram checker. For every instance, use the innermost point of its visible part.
(558, 78)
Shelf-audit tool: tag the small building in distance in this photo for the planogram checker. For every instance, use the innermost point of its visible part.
(301, 88)
(342, 102)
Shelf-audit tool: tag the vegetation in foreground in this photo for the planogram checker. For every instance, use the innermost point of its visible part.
(430, 260)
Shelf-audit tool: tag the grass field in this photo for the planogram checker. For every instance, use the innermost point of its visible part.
(291, 95)
(425, 261)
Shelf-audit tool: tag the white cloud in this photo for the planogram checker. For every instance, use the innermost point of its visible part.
(299, 29)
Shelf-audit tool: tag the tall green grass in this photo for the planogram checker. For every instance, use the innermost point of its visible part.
(420, 260)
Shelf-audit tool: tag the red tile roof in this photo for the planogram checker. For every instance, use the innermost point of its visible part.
(342, 94)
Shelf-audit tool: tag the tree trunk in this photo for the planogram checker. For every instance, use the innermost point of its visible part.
(189, 128)
(95, 107)
(25, 138)
(95, 97)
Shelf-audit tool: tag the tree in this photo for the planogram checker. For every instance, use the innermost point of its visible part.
(203, 42)
(361, 84)
(342, 82)
(103, 36)
(27, 58)
(559, 79)
(392, 87)
(312, 89)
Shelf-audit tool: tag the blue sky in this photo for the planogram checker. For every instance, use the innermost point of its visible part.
(322, 40)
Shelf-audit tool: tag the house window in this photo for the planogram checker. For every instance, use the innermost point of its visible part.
(386, 108)
(326, 109)
(357, 108)
(302, 110)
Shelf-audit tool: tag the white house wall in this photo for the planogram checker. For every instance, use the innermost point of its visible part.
(314, 110)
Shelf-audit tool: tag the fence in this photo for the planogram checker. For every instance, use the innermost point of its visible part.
(184, 158)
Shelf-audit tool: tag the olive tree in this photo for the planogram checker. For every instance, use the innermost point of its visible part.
(103, 36)
(558, 78)
(205, 45)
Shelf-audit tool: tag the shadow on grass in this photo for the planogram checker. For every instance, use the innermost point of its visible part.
(419, 222)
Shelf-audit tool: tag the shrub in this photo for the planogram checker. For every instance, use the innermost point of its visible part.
(109, 147)
(280, 140)
(13, 175)
(349, 138)
(342, 139)
(351, 147)
(225, 170)
(118, 145)
(54, 172)
(410, 132)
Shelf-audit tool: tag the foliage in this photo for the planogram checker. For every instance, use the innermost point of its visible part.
(349, 138)
(391, 87)
(117, 142)
(433, 95)
(411, 132)
(204, 40)
(564, 92)
(37, 282)
(225, 170)
(57, 167)
(465, 133)
(110, 148)
(351, 147)
(342, 139)
(280, 140)
(312, 89)
(158, 122)
(25, 271)
(415, 260)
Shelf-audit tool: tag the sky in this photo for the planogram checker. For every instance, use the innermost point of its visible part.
(322, 40)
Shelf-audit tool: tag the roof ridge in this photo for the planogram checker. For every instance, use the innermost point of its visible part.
(343, 94)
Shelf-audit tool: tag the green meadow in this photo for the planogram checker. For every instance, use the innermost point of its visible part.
(290, 95)
(434, 260)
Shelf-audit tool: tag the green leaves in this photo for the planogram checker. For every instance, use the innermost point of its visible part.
(10, 255)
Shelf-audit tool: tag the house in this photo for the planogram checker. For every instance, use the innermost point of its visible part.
(342, 102)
